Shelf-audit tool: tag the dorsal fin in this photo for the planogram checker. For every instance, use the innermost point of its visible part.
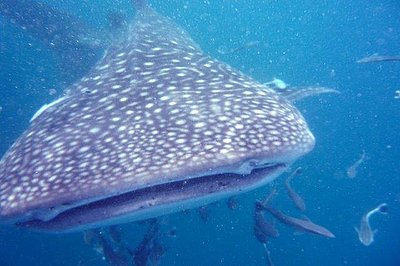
(139, 4)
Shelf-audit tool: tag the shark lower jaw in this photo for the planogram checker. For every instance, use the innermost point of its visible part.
(156, 200)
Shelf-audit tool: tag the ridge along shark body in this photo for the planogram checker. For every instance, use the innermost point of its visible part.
(365, 233)
(156, 126)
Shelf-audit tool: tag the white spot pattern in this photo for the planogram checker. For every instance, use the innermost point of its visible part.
(155, 108)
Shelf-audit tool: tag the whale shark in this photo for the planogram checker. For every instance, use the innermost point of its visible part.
(156, 126)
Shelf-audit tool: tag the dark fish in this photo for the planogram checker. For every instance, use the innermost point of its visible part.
(115, 234)
(297, 200)
(117, 20)
(141, 255)
(148, 246)
(204, 213)
(247, 45)
(90, 236)
(113, 256)
(378, 58)
(299, 224)
(157, 126)
(263, 229)
(171, 232)
(232, 203)
(156, 253)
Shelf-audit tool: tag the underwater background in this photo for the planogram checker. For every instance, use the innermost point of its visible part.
(301, 42)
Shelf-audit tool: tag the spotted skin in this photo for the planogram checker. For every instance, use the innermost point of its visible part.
(155, 109)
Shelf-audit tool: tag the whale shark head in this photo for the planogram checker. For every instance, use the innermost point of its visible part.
(157, 126)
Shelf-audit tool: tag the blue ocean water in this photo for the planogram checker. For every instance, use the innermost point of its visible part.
(304, 43)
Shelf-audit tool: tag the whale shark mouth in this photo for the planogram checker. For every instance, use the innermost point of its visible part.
(156, 200)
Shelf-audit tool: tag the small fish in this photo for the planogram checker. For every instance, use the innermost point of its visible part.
(204, 213)
(239, 48)
(277, 83)
(232, 203)
(299, 224)
(365, 233)
(353, 169)
(171, 232)
(263, 229)
(113, 256)
(149, 248)
(116, 19)
(115, 234)
(378, 58)
(90, 236)
(297, 93)
(297, 200)
(157, 251)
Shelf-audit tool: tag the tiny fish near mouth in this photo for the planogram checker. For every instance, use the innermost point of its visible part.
(155, 127)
